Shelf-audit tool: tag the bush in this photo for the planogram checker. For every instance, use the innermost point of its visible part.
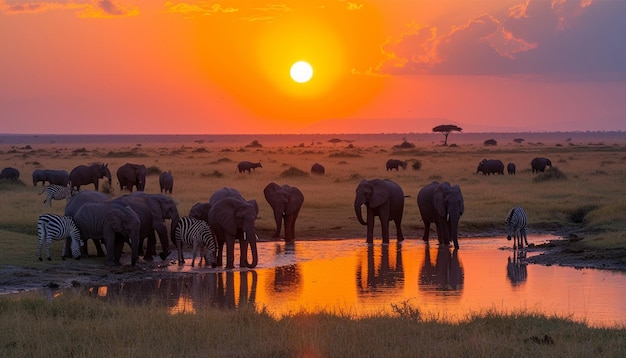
(490, 142)
(153, 170)
(416, 165)
(404, 145)
(550, 174)
(293, 172)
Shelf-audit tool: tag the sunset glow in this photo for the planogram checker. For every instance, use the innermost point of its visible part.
(189, 66)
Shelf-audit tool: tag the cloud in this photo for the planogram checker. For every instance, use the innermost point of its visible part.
(84, 8)
(197, 8)
(559, 37)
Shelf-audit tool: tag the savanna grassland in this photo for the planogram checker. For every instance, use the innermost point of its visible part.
(582, 197)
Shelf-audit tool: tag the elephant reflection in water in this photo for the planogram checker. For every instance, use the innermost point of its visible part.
(381, 272)
(516, 270)
(446, 275)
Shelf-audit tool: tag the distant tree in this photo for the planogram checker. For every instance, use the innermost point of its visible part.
(518, 140)
(489, 142)
(446, 129)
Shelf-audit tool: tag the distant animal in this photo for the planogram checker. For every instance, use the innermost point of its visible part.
(53, 177)
(516, 226)
(286, 201)
(540, 164)
(132, 175)
(166, 182)
(89, 174)
(55, 227)
(10, 173)
(395, 163)
(317, 168)
(510, 168)
(490, 166)
(57, 192)
(243, 166)
(196, 233)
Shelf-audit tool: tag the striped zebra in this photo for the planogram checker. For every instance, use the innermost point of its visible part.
(516, 226)
(55, 227)
(57, 192)
(196, 233)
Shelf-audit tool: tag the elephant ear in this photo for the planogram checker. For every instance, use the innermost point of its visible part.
(223, 213)
(295, 200)
(269, 191)
(118, 216)
(457, 192)
(380, 194)
(439, 200)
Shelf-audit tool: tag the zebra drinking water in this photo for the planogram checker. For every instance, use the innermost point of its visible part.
(55, 227)
(198, 234)
(57, 192)
(516, 226)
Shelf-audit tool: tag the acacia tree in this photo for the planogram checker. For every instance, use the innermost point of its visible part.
(446, 129)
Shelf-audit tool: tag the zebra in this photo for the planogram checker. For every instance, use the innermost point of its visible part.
(57, 192)
(191, 231)
(516, 226)
(56, 227)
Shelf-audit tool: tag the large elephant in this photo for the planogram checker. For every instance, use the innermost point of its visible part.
(490, 166)
(10, 173)
(74, 204)
(245, 165)
(88, 174)
(54, 177)
(395, 164)
(383, 198)
(114, 224)
(166, 182)
(233, 219)
(153, 210)
(441, 204)
(286, 202)
(227, 192)
(130, 175)
(540, 164)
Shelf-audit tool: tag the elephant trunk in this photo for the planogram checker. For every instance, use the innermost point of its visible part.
(357, 211)
(251, 241)
(453, 229)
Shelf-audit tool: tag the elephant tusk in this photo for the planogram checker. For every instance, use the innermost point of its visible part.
(256, 237)
(245, 238)
(448, 217)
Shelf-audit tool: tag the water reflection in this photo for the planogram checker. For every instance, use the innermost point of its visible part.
(380, 272)
(516, 270)
(351, 277)
(446, 275)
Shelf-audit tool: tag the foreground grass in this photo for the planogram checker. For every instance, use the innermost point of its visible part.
(74, 325)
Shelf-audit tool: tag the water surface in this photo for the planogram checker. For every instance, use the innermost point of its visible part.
(354, 278)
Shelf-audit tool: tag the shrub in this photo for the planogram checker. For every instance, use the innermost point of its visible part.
(490, 142)
(416, 165)
(550, 174)
(215, 174)
(293, 172)
(153, 170)
(254, 144)
(404, 145)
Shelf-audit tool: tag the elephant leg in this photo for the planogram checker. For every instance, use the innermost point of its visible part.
(384, 223)
(243, 253)
(370, 226)
(290, 227)
(98, 245)
(220, 252)
(230, 253)
(150, 247)
(399, 234)
(426, 230)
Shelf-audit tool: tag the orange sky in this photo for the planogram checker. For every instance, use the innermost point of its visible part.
(190, 66)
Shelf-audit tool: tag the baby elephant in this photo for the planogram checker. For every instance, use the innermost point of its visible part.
(196, 233)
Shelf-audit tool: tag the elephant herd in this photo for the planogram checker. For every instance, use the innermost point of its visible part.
(496, 166)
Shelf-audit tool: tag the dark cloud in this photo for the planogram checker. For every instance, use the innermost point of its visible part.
(538, 37)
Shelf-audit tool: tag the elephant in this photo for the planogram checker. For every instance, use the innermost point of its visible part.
(200, 211)
(231, 219)
(83, 175)
(114, 224)
(166, 182)
(153, 210)
(53, 177)
(10, 173)
(490, 166)
(540, 164)
(74, 204)
(130, 175)
(245, 165)
(441, 204)
(226, 192)
(510, 168)
(286, 202)
(383, 198)
(395, 163)
(317, 168)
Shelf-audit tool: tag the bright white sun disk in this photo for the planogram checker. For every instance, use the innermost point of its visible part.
(301, 71)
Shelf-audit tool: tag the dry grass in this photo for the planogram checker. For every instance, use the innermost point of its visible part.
(591, 198)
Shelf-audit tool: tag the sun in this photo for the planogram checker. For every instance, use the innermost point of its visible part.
(301, 72)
